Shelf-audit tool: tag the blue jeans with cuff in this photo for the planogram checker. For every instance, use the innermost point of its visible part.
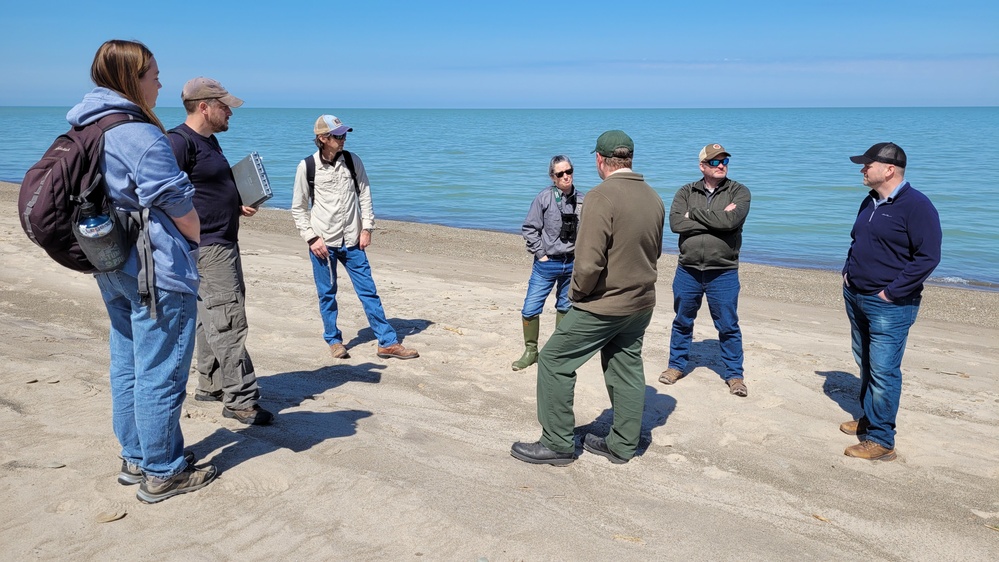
(355, 261)
(545, 275)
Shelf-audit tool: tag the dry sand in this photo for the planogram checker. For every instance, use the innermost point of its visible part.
(374, 459)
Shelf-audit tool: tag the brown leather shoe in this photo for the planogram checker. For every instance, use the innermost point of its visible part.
(670, 376)
(339, 351)
(855, 427)
(871, 451)
(397, 351)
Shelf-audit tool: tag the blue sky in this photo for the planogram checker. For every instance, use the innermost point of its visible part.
(522, 54)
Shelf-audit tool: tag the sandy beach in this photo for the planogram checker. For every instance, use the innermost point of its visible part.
(372, 459)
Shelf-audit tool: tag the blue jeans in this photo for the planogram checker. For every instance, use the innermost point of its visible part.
(878, 332)
(355, 261)
(544, 276)
(150, 360)
(721, 286)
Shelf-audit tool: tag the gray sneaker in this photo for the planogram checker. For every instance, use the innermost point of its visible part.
(130, 474)
(153, 489)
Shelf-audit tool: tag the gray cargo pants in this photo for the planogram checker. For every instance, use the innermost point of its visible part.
(223, 363)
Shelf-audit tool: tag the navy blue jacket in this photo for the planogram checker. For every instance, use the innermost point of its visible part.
(896, 245)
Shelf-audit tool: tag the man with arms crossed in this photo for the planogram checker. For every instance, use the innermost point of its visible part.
(895, 247)
(613, 293)
(224, 366)
(708, 215)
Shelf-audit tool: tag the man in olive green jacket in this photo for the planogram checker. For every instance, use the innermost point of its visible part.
(613, 292)
(708, 214)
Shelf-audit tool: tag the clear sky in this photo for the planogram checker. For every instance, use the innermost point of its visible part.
(522, 54)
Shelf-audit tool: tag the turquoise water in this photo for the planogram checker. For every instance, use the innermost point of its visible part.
(481, 168)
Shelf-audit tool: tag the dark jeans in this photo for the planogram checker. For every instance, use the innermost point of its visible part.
(721, 287)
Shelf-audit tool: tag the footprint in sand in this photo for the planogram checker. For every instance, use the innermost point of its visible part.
(258, 485)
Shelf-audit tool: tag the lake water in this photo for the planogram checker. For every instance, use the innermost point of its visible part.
(481, 168)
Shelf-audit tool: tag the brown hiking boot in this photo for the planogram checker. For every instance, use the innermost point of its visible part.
(153, 489)
(670, 376)
(397, 351)
(338, 351)
(855, 427)
(871, 451)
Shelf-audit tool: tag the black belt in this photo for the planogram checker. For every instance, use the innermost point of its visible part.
(563, 257)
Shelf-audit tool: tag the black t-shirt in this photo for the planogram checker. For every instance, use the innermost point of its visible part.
(216, 198)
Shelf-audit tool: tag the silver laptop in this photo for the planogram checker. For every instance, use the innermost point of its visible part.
(251, 180)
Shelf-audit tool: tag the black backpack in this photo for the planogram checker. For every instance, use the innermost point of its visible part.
(54, 189)
(310, 172)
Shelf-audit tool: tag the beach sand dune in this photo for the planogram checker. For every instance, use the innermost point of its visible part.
(409, 460)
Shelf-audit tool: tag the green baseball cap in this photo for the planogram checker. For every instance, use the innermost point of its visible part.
(610, 141)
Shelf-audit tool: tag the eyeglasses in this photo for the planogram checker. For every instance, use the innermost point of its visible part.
(714, 163)
(336, 137)
(563, 173)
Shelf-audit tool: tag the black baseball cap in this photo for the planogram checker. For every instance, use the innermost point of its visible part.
(884, 152)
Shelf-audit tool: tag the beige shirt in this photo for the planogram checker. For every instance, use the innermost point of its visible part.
(339, 213)
(618, 246)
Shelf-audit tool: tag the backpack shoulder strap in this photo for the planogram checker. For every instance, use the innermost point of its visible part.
(192, 150)
(105, 124)
(348, 159)
(310, 175)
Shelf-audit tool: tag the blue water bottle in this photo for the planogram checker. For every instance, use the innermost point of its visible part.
(101, 238)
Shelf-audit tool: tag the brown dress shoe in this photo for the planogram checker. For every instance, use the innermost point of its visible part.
(397, 351)
(339, 351)
(871, 451)
(855, 427)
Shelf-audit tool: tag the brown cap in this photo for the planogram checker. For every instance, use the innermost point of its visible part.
(202, 88)
(712, 151)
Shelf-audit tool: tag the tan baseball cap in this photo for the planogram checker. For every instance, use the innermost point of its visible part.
(330, 124)
(202, 88)
(712, 151)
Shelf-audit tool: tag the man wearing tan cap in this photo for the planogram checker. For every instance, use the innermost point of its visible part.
(613, 293)
(331, 205)
(225, 370)
(708, 214)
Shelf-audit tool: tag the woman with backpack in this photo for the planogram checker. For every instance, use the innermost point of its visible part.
(151, 342)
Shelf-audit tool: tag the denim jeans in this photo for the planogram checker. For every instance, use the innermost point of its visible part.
(721, 287)
(150, 360)
(355, 261)
(544, 276)
(878, 332)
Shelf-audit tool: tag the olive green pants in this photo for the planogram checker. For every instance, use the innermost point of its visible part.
(577, 338)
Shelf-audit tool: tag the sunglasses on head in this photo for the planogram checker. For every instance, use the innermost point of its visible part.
(563, 173)
(715, 162)
(337, 137)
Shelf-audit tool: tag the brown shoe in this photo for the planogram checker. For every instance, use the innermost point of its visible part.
(871, 451)
(339, 351)
(397, 351)
(670, 376)
(855, 427)
(737, 387)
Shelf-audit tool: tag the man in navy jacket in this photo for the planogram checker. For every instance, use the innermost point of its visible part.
(896, 246)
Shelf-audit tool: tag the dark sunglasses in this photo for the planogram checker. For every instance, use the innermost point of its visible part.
(716, 162)
(563, 173)
(337, 137)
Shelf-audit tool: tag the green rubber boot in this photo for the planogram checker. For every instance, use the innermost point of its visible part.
(558, 317)
(532, 326)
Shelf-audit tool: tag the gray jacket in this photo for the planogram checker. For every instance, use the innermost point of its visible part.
(544, 221)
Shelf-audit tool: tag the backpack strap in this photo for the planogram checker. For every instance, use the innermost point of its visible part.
(192, 150)
(310, 172)
(105, 123)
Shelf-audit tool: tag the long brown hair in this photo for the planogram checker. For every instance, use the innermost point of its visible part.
(118, 65)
